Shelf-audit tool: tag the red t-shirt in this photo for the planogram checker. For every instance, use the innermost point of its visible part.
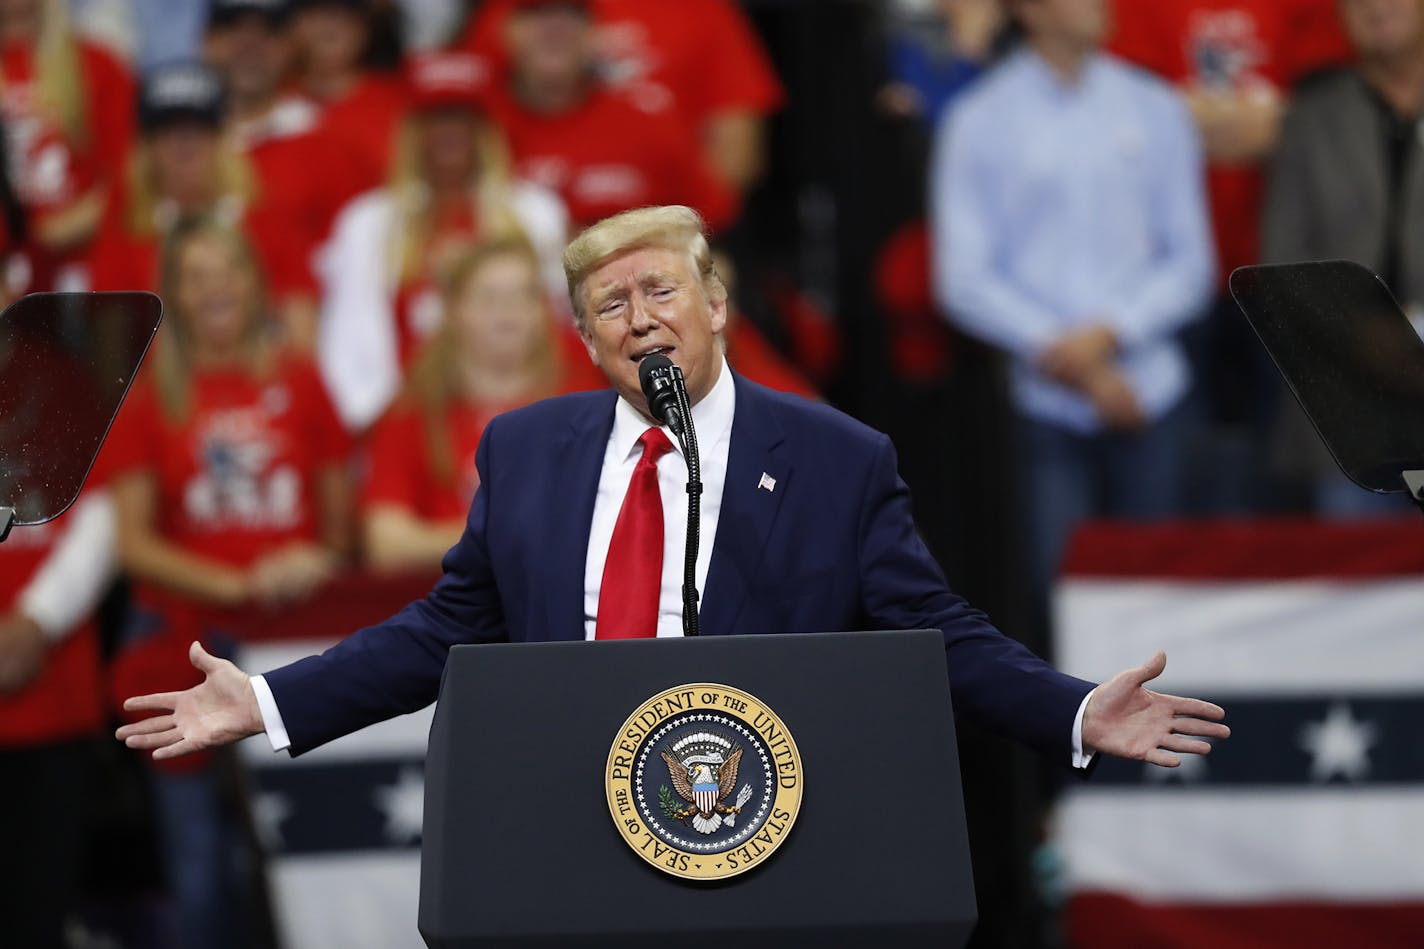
(1235, 45)
(238, 476)
(704, 56)
(400, 472)
(303, 177)
(67, 700)
(51, 172)
(364, 122)
(618, 149)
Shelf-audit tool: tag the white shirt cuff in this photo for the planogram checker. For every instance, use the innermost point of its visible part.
(1082, 757)
(272, 718)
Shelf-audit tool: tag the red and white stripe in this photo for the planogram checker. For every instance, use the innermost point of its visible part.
(1251, 610)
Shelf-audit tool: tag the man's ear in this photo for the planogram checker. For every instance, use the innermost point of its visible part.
(719, 314)
(587, 339)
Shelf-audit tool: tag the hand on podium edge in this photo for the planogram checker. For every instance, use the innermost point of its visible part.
(1128, 720)
(217, 711)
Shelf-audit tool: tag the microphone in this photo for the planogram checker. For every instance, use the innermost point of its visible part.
(666, 392)
(659, 378)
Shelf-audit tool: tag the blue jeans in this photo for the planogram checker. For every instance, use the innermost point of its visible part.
(1072, 477)
(199, 855)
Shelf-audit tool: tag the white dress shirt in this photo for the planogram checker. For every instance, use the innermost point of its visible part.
(712, 418)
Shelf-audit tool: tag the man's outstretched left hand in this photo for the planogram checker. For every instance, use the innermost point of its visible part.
(1128, 720)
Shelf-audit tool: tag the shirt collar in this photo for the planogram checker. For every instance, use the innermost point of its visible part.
(712, 417)
(1042, 74)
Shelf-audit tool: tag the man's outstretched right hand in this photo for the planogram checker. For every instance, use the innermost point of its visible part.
(219, 710)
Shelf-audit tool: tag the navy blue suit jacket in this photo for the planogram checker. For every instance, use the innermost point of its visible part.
(832, 548)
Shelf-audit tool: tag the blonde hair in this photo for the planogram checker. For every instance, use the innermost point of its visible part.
(434, 381)
(673, 227)
(172, 359)
(59, 73)
(491, 201)
(59, 81)
(235, 178)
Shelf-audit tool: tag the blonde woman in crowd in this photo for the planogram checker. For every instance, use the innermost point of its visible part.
(496, 350)
(185, 165)
(449, 188)
(67, 109)
(227, 469)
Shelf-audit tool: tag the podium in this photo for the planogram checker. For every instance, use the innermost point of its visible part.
(524, 778)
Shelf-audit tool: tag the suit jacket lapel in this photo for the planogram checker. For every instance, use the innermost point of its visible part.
(573, 490)
(749, 508)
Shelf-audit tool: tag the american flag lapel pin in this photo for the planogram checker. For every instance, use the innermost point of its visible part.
(767, 483)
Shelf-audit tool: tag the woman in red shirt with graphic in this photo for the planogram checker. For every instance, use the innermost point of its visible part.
(497, 349)
(67, 109)
(227, 469)
(449, 188)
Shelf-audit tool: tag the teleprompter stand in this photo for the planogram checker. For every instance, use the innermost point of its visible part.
(1352, 359)
(520, 848)
(66, 362)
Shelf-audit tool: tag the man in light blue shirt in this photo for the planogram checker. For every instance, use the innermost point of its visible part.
(1071, 230)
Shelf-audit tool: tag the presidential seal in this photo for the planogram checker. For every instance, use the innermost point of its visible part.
(703, 781)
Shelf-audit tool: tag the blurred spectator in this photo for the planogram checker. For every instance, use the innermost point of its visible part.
(227, 466)
(496, 350)
(706, 60)
(934, 58)
(52, 577)
(183, 166)
(302, 174)
(1235, 62)
(359, 106)
(449, 189)
(1071, 230)
(68, 114)
(1348, 182)
(603, 149)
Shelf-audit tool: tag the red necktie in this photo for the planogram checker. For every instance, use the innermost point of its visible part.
(633, 573)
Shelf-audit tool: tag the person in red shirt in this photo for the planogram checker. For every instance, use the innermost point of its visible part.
(603, 149)
(52, 577)
(360, 107)
(1235, 62)
(182, 167)
(302, 173)
(67, 110)
(705, 61)
(497, 349)
(227, 469)
(449, 188)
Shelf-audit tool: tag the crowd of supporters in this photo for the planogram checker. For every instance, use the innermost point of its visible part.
(354, 211)
(359, 248)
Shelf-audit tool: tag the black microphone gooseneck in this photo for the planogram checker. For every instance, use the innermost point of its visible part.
(666, 392)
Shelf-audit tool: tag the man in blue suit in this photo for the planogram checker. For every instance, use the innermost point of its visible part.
(576, 532)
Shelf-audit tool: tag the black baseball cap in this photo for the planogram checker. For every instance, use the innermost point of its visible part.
(226, 12)
(183, 92)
